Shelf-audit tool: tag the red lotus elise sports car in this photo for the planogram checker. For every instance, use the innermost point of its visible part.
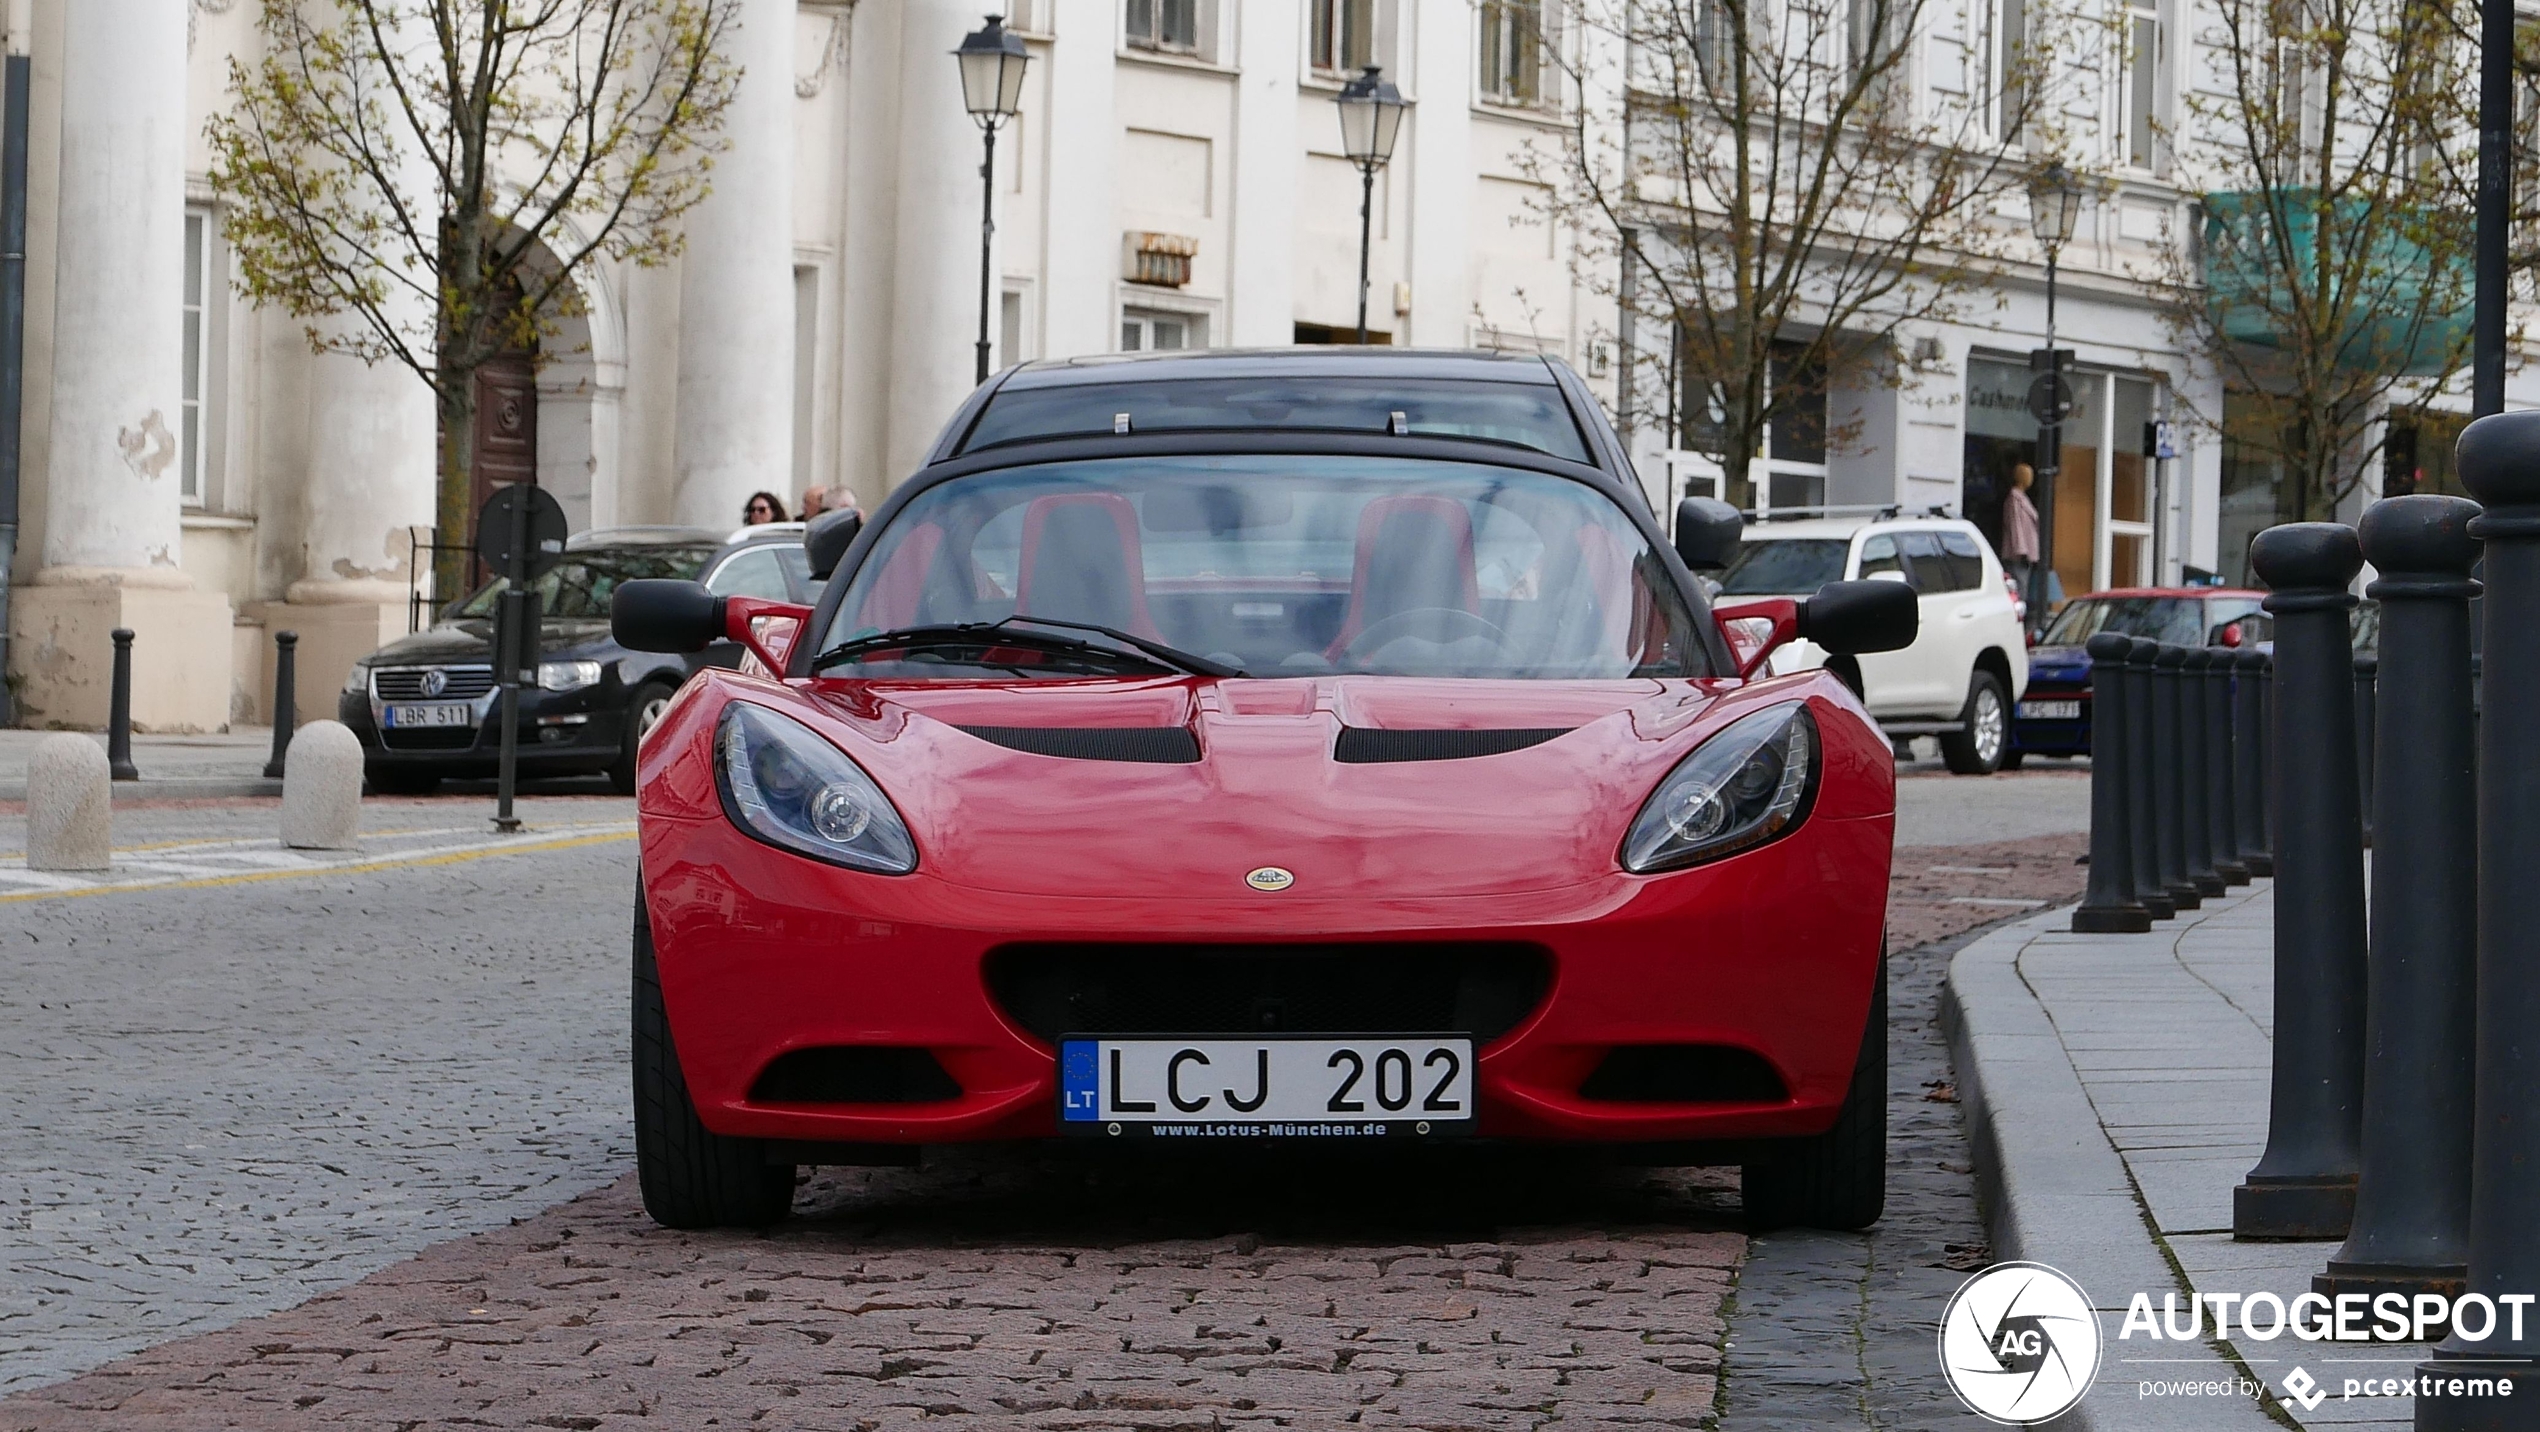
(1262, 749)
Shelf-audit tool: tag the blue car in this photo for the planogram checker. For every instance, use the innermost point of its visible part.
(2053, 716)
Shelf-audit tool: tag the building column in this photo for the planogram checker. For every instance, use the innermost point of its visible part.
(935, 292)
(1261, 280)
(1079, 136)
(369, 484)
(112, 524)
(735, 401)
(1439, 153)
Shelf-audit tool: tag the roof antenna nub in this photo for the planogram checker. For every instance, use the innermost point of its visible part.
(1120, 422)
(1399, 424)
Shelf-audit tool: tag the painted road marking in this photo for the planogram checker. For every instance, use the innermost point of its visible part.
(265, 861)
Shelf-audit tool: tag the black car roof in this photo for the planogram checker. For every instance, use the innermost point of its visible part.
(1303, 362)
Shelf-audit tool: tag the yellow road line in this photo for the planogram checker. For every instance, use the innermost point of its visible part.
(251, 877)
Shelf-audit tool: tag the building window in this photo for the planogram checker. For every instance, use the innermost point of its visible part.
(2142, 84)
(1147, 331)
(1013, 328)
(1169, 26)
(2010, 42)
(1344, 38)
(1512, 51)
(198, 355)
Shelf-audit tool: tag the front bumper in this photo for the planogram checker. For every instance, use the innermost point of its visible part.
(761, 953)
(561, 733)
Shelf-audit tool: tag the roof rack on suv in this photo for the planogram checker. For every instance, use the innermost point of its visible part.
(1882, 511)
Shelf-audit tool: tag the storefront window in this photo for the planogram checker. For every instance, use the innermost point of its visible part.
(2001, 435)
(2252, 487)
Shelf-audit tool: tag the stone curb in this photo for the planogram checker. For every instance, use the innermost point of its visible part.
(2054, 1189)
(173, 788)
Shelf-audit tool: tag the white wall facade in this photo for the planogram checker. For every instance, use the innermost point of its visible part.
(819, 328)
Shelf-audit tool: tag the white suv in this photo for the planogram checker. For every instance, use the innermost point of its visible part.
(1967, 666)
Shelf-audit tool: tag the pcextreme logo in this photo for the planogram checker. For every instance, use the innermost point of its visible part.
(2019, 1343)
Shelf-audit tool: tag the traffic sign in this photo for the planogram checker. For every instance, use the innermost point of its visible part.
(501, 518)
(2050, 399)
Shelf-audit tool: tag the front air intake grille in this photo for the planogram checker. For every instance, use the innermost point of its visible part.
(1479, 988)
(1684, 1074)
(1368, 746)
(1160, 745)
(461, 683)
(854, 1074)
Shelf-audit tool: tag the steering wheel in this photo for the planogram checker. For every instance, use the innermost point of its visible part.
(1424, 623)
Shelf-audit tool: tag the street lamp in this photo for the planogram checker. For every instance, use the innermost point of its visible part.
(992, 60)
(1371, 115)
(2054, 207)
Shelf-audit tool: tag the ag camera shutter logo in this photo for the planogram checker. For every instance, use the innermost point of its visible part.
(2019, 1343)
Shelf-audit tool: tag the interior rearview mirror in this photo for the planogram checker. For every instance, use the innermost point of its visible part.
(1707, 532)
(1849, 618)
(662, 614)
(827, 539)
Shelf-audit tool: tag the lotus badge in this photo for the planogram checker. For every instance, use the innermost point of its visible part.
(1270, 877)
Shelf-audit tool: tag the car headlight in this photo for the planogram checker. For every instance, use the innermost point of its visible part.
(567, 675)
(785, 785)
(357, 680)
(1752, 781)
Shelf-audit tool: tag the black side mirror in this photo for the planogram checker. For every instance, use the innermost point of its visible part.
(1707, 532)
(660, 614)
(1849, 618)
(827, 539)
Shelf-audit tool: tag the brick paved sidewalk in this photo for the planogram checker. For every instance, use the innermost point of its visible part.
(1006, 1288)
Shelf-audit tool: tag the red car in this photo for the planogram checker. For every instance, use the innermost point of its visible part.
(1261, 749)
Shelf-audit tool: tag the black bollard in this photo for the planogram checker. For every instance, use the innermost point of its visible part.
(2142, 786)
(2195, 822)
(2367, 670)
(2169, 786)
(285, 698)
(119, 711)
(2249, 762)
(2222, 829)
(2304, 1186)
(2411, 1232)
(2500, 464)
(2108, 907)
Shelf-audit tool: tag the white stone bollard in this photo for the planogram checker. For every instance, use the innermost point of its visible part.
(69, 806)
(322, 788)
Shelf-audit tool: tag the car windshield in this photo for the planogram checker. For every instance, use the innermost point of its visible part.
(1283, 566)
(1530, 415)
(1784, 567)
(2181, 621)
(578, 588)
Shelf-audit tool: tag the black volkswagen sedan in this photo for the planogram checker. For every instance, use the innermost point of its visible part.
(426, 707)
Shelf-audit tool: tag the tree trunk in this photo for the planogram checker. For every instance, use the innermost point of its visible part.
(453, 523)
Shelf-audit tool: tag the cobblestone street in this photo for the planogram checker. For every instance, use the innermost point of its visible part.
(298, 1086)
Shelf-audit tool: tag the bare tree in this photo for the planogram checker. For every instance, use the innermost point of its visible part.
(423, 181)
(2332, 276)
(1784, 192)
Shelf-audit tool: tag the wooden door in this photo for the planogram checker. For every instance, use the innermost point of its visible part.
(506, 425)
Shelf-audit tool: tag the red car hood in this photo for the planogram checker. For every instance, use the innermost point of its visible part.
(1267, 789)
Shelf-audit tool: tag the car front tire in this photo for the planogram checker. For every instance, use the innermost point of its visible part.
(691, 1176)
(1837, 1179)
(1983, 736)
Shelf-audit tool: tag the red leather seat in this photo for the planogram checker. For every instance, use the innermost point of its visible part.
(1414, 551)
(1081, 562)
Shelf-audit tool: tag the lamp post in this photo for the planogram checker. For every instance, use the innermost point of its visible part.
(992, 60)
(1371, 115)
(2054, 205)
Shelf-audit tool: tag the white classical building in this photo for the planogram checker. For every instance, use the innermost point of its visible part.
(1175, 178)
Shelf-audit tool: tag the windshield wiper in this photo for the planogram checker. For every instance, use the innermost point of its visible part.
(1171, 655)
(1000, 633)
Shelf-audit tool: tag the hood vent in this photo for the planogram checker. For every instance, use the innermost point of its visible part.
(1368, 746)
(1160, 745)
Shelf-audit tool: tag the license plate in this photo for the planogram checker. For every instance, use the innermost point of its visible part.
(1369, 1086)
(451, 713)
(2050, 710)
